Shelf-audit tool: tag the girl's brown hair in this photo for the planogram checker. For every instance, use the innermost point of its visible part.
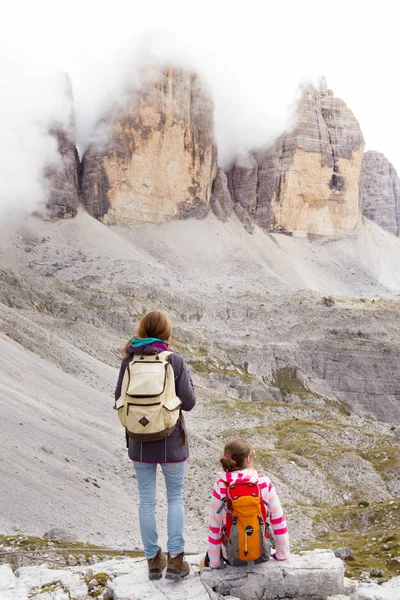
(235, 453)
(154, 324)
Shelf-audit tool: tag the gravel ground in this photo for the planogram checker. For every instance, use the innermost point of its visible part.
(243, 307)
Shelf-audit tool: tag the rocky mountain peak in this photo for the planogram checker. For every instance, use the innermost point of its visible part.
(156, 161)
(307, 182)
(159, 161)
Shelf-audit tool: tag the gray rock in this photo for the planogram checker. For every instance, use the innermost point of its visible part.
(344, 553)
(221, 201)
(350, 586)
(60, 534)
(328, 301)
(376, 572)
(62, 177)
(310, 576)
(242, 181)
(135, 585)
(7, 577)
(380, 191)
(244, 216)
(372, 591)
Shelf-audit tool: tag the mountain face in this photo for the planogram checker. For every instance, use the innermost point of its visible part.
(61, 177)
(307, 182)
(221, 200)
(159, 161)
(380, 191)
(304, 380)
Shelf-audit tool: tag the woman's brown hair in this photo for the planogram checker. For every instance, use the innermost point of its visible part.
(154, 324)
(235, 453)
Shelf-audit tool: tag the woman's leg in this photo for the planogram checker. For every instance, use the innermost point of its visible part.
(146, 479)
(174, 474)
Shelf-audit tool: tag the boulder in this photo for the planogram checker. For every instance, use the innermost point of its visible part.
(159, 160)
(7, 577)
(9, 586)
(60, 534)
(380, 191)
(389, 590)
(312, 575)
(344, 553)
(307, 181)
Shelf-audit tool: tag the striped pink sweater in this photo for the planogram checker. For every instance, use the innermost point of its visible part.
(217, 521)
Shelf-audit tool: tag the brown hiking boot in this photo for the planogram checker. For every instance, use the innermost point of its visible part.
(177, 567)
(157, 565)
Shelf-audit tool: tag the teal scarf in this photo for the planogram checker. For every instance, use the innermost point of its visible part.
(135, 342)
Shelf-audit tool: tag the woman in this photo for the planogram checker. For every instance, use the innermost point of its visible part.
(152, 336)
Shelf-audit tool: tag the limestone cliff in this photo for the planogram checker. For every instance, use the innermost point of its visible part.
(61, 177)
(307, 182)
(380, 191)
(221, 201)
(159, 161)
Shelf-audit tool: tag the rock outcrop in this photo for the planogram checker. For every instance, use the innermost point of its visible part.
(307, 182)
(389, 590)
(311, 576)
(61, 178)
(380, 191)
(159, 162)
(243, 182)
(221, 201)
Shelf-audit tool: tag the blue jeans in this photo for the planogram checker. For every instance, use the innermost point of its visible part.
(174, 474)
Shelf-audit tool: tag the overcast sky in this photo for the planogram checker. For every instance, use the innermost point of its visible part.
(253, 55)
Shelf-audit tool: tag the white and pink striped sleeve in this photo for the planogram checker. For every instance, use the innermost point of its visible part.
(277, 518)
(215, 523)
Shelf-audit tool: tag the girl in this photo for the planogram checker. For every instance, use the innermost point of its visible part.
(152, 336)
(237, 464)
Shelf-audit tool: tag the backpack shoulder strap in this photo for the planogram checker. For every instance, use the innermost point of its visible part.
(165, 354)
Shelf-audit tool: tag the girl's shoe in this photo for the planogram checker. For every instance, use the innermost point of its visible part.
(156, 565)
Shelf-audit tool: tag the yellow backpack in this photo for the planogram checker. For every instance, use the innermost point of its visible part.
(148, 407)
(247, 535)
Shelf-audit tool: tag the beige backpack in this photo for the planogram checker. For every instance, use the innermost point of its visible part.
(148, 407)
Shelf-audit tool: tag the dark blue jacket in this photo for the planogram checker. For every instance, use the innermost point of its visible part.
(169, 449)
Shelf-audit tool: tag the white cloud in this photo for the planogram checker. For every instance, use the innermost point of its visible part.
(252, 54)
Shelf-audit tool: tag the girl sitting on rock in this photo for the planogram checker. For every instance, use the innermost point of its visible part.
(238, 516)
